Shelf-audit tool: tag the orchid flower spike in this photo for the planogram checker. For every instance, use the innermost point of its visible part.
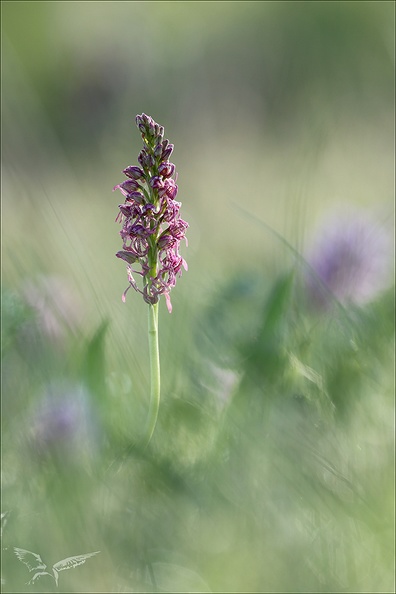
(151, 225)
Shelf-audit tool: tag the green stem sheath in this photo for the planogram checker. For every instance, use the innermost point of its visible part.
(154, 371)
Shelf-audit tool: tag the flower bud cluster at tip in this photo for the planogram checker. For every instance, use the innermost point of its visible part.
(151, 225)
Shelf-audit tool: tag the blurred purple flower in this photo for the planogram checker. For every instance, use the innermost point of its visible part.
(63, 423)
(152, 228)
(349, 260)
(57, 307)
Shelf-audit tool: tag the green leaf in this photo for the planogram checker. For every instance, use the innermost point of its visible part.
(94, 367)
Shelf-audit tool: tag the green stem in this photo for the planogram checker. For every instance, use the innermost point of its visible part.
(154, 371)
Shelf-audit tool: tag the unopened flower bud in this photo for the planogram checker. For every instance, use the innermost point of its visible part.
(126, 256)
(136, 196)
(129, 185)
(133, 172)
(166, 153)
(158, 150)
(125, 209)
(146, 160)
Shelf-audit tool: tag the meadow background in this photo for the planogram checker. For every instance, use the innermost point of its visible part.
(272, 465)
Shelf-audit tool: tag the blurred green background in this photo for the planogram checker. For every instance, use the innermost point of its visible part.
(271, 468)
